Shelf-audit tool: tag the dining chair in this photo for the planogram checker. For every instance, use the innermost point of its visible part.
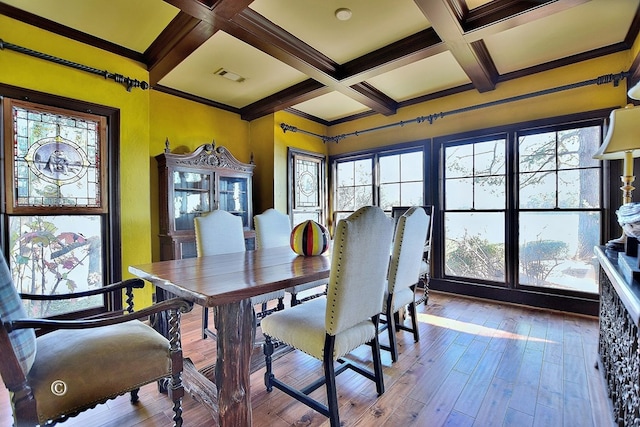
(425, 265)
(328, 328)
(220, 232)
(273, 229)
(404, 272)
(74, 365)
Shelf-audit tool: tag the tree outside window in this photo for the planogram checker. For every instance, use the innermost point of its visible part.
(558, 215)
(56, 204)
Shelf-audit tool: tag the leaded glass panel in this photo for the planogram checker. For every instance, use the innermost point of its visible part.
(307, 178)
(57, 205)
(56, 160)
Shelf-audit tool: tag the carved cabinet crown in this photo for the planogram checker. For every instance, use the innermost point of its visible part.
(192, 184)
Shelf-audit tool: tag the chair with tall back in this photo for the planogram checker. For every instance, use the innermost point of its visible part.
(273, 229)
(404, 271)
(425, 265)
(220, 232)
(330, 327)
(73, 365)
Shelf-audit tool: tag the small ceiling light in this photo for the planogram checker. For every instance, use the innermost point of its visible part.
(343, 14)
(229, 75)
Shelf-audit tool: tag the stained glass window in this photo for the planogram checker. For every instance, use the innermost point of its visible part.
(56, 160)
(306, 194)
(307, 191)
(56, 206)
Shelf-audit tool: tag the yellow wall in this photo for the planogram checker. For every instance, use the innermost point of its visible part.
(270, 145)
(187, 125)
(40, 75)
(295, 140)
(148, 118)
(262, 148)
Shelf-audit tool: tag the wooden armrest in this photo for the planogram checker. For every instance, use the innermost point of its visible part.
(180, 304)
(129, 283)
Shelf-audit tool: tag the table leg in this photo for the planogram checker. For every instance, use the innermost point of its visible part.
(234, 323)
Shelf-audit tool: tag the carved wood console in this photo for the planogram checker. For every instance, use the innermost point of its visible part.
(619, 354)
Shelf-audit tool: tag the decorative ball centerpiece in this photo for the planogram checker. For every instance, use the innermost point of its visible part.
(309, 238)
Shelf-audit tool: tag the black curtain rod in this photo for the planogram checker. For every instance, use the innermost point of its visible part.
(607, 78)
(118, 78)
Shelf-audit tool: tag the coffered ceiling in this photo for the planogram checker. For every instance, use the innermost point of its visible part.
(297, 55)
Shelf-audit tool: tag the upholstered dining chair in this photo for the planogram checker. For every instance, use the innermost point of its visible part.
(328, 328)
(273, 229)
(73, 365)
(425, 265)
(220, 232)
(404, 271)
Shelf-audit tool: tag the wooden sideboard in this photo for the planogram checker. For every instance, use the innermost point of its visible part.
(618, 351)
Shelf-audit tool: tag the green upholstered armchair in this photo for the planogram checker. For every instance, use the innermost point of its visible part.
(73, 365)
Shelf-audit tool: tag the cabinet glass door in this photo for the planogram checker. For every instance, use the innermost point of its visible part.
(234, 197)
(192, 193)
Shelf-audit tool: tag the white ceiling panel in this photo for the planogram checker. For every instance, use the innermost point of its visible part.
(263, 75)
(592, 25)
(373, 24)
(429, 75)
(331, 106)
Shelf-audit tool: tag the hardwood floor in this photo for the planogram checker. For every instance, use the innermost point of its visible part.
(477, 364)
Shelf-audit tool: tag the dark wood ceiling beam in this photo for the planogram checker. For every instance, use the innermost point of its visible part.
(478, 23)
(501, 15)
(223, 9)
(415, 47)
(459, 9)
(293, 95)
(374, 99)
(195, 98)
(176, 42)
(192, 26)
(255, 30)
(473, 59)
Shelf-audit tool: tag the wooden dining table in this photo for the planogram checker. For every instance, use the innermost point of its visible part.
(226, 283)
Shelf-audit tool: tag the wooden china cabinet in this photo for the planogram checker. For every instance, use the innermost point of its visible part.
(195, 183)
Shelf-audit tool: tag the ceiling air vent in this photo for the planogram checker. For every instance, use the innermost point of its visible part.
(229, 75)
